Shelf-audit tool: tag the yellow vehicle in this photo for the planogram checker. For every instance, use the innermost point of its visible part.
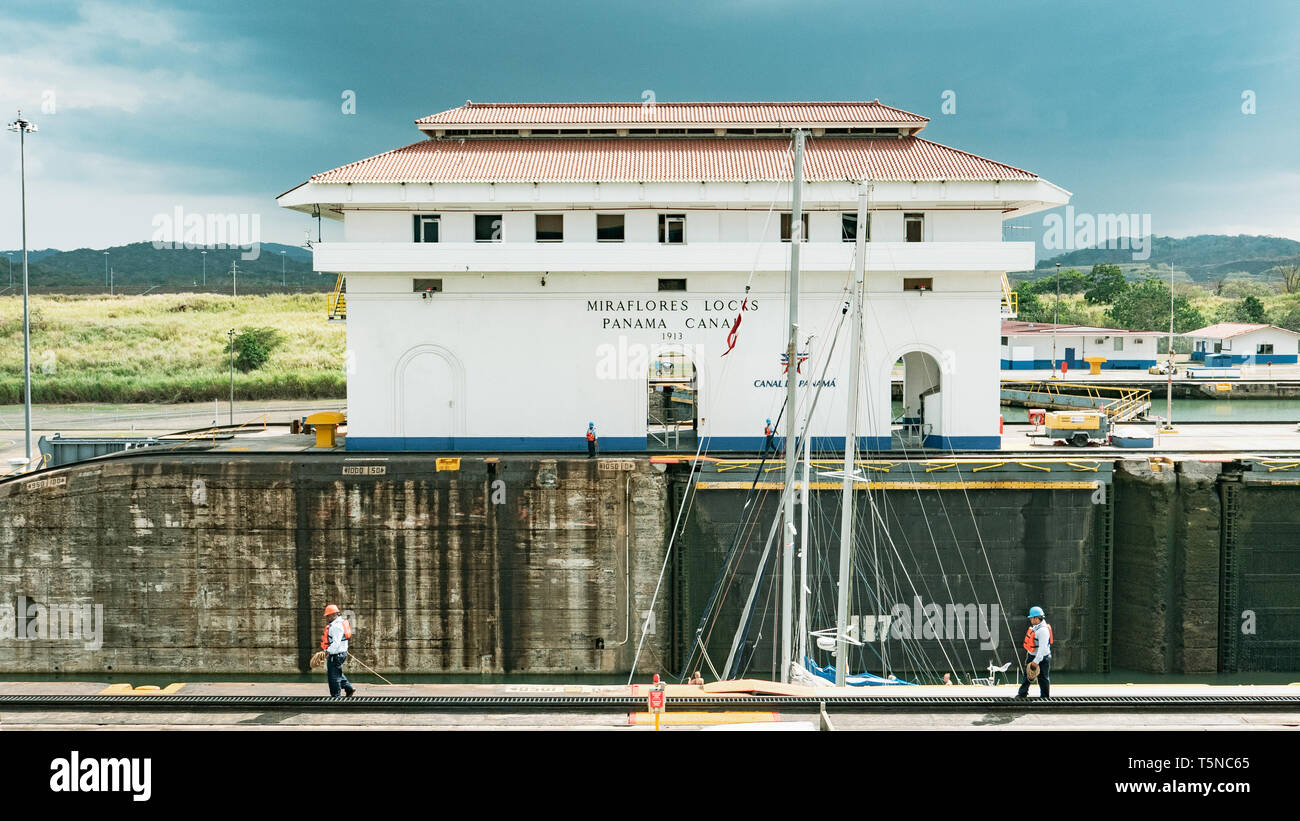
(1078, 427)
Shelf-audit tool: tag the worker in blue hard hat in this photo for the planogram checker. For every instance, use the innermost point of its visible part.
(768, 433)
(591, 440)
(1038, 655)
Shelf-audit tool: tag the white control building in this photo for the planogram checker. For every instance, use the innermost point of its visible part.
(524, 269)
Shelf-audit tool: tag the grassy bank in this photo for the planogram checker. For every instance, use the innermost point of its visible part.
(168, 348)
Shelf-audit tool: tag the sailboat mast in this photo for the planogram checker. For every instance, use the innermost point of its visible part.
(791, 406)
(850, 445)
(802, 645)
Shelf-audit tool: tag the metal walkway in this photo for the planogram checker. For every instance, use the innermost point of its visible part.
(1120, 404)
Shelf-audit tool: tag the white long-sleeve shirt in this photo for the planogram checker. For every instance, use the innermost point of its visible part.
(1042, 642)
(338, 644)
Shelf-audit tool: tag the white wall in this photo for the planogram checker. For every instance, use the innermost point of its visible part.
(642, 223)
(525, 362)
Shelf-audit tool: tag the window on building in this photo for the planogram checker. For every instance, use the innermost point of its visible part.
(609, 227)
(1264, 348)
(918, 284)
(849, 227)
(1004, 340)
(550, 227)
(426, 227)
(672, 229)
(787, 223)
(487, 227)
(913, 226)
(426, 285)
(672, 284)
(1119, 343)
(1226, 345)
(1101, 340)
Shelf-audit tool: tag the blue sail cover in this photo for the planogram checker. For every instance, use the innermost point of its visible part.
(859, 680)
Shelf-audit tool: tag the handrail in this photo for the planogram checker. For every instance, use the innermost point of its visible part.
(1120, 404)
(213, 431)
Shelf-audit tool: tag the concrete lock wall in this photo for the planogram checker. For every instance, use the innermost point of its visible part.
(223, 565)
(1009, 549)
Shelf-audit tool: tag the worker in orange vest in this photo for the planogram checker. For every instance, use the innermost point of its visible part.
(591, 440)
(1038, 649)
(768, 433)
(335, 644)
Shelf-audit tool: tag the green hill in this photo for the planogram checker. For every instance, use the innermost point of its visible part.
(1204, 258)
(140, 266)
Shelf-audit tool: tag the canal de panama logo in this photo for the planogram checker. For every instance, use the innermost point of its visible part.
(798, 367)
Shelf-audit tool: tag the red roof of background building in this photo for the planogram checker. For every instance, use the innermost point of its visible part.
(523, 114)
(669, 160)
(1227, 330)
(1018, 327)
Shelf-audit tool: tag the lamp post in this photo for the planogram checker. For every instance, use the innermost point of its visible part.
(231, 335)
(1056, 318)
(23, 127)
(10, 260)
(105, 269)
(205, 268)
(283, 282)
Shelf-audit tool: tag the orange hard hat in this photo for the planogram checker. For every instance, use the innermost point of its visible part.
(331, 609)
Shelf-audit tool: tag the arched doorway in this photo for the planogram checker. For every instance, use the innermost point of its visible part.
(672, 401)
(921, 423)
(427, 402)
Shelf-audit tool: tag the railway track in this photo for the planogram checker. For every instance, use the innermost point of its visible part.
(589, 704)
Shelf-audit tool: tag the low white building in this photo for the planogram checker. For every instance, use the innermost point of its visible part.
(525, 269)
(1238, 343)
(1027, 346)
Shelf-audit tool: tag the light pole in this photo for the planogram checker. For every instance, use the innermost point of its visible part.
(10, 260)
(234, 278)
(1169, 382)
(1057, 317)
(283, 282)
(205, 268)
(105, 269)
(23, 127)
(231, 335)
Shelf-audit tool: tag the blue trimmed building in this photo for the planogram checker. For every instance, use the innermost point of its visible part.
(1034, 346)
(1244, 343)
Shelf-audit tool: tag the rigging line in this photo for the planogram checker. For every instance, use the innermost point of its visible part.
(889, 540)
(645, 624)
(786, 494)
(731, 551)
(939, 559)
(1015, 654)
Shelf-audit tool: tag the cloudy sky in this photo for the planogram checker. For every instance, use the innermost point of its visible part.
(1136, 107)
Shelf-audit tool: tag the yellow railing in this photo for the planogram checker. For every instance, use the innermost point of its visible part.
(1120, 404)
(1010, 299)
(338, 300)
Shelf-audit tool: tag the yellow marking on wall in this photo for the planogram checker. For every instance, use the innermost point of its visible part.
(447, 463)
(899, 485)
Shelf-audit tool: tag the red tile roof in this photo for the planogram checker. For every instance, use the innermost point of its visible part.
(1018, 327)
(606, 114)
(1227, 330)
(669, 160)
